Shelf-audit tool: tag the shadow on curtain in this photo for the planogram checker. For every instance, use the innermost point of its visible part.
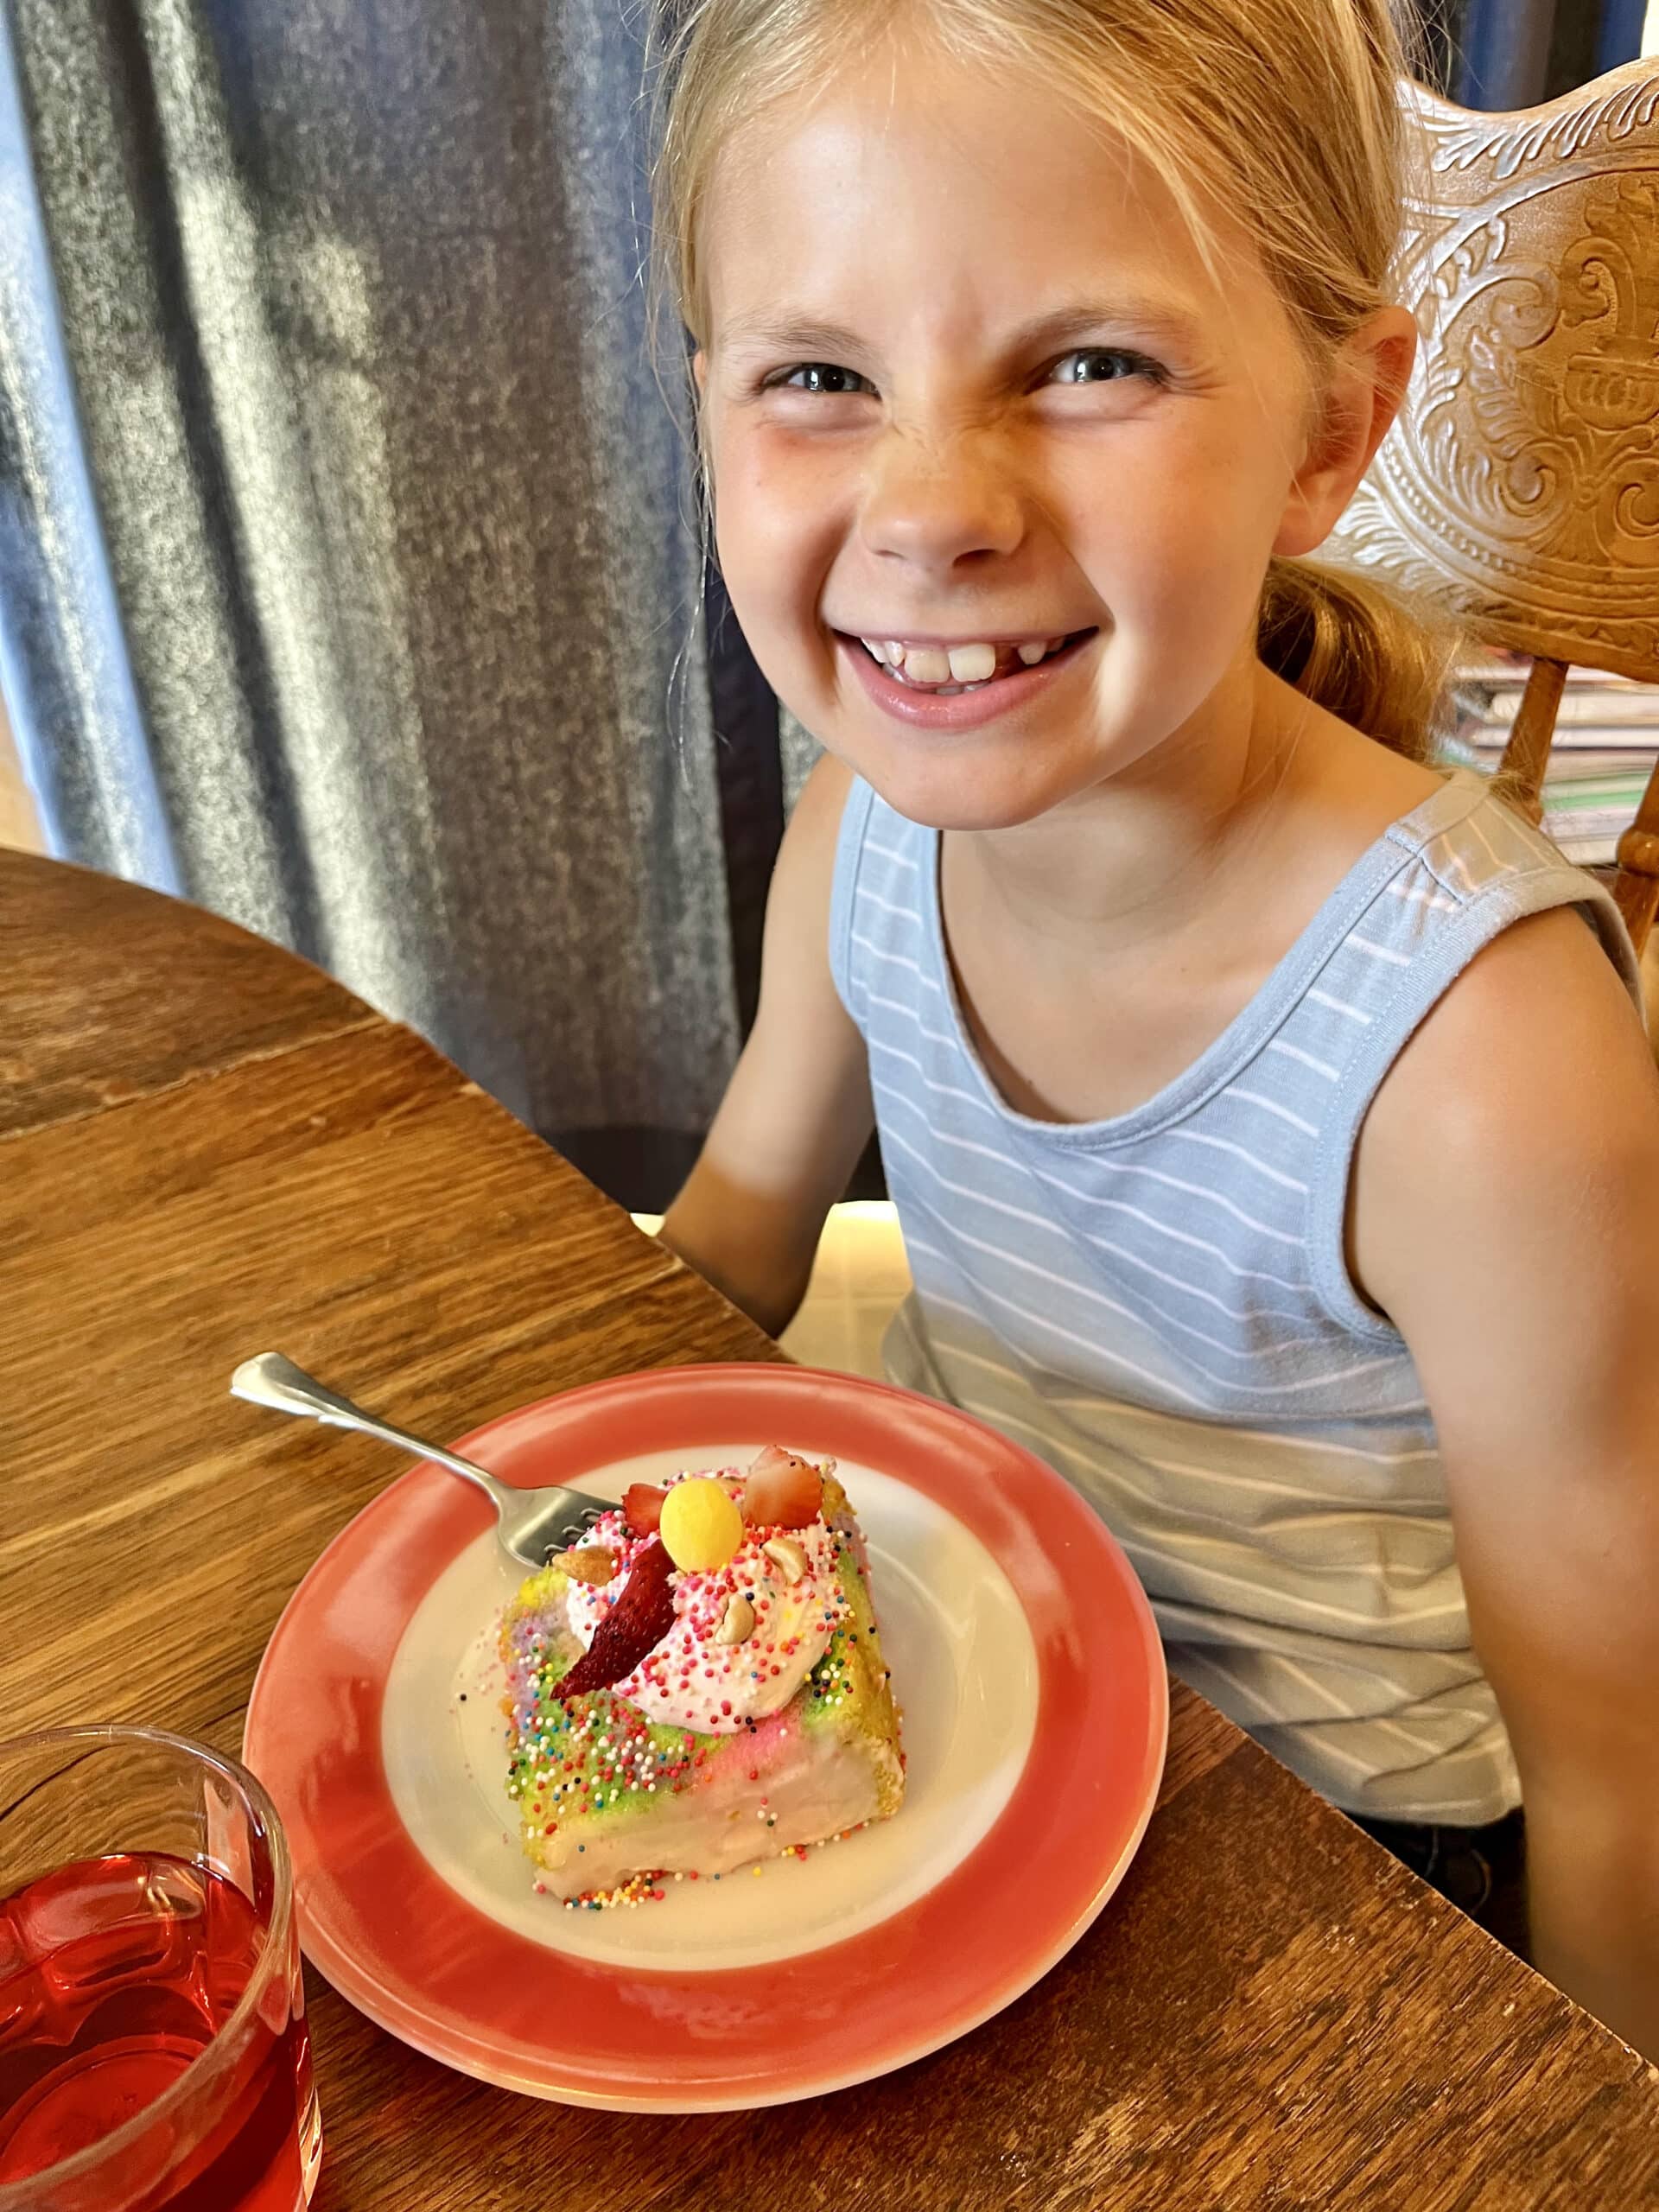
(346, 563)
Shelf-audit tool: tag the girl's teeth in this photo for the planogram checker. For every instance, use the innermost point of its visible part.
(926, 664)
(962, 668)
(971, 663)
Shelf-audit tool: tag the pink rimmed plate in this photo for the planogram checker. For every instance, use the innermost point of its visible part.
(1024, 1656)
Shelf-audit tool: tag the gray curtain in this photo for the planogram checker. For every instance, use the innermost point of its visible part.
(348, 578)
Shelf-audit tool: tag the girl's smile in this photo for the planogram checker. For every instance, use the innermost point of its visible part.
(927, 701)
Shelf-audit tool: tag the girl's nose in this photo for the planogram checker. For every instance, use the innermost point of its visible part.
(936, 505)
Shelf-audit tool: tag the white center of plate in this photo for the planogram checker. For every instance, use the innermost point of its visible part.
(964, 1671)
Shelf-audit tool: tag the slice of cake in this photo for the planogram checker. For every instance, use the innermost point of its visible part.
(700, 1683)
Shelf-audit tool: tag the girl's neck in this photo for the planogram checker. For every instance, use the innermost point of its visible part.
(1138, 856)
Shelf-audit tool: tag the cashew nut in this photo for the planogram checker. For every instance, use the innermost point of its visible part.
(787, 1556)
(589, 1563)
(737, 1621)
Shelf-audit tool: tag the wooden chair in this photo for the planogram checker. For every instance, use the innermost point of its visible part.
(1520, 483)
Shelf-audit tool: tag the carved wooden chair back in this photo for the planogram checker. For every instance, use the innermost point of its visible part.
(1520, 484)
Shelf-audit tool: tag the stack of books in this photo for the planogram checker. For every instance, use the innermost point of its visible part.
(1606, 742)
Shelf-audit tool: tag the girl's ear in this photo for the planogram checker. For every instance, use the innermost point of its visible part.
(700, 369)
(1360, 402)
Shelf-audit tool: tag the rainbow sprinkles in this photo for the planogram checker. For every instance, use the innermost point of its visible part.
(699, 1687)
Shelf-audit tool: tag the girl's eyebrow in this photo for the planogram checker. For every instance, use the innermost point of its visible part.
(786, 331)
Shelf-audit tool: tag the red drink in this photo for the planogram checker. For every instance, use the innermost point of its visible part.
(115, 1974)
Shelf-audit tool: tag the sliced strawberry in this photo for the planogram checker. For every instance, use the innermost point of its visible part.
(782, 1490)
(642, 1508)
(636, 1623)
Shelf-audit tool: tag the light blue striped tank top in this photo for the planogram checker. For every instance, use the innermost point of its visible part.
(1158, 1304)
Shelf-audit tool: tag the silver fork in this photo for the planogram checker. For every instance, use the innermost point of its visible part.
(530, 1523)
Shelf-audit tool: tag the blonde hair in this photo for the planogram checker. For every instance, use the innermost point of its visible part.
(1286, 112)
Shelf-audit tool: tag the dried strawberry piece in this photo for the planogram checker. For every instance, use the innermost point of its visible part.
(636, 1625)
(642, 1508)
(782, 1490)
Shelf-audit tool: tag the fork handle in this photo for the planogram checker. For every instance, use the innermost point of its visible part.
(269, 1379)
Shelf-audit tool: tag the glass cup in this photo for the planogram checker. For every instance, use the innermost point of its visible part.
(154, 2053)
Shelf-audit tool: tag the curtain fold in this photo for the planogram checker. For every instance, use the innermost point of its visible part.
(349, 578)
(63, 657)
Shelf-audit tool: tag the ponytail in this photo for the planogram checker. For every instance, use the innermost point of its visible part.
(1361, 649)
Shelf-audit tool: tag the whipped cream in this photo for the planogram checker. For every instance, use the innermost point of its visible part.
(688, 1681)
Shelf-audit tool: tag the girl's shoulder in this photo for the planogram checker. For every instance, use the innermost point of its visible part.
(1350, 806)
(1443, 866)
(797, 903)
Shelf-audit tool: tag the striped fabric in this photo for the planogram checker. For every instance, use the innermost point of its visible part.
(1158, 1304)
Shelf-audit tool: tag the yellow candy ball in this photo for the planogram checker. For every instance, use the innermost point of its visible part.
(702, 1526)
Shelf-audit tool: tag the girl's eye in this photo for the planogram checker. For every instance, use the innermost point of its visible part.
(822, 377)
(1105, 365)
(1086, 365)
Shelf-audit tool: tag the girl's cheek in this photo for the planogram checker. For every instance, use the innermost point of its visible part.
(1204, 523)
(778, 494)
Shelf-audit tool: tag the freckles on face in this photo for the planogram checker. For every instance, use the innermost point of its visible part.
(966, 376)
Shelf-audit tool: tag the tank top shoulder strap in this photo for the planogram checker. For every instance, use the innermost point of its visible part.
(1486, 858)
(1468, 868)
(877, 874)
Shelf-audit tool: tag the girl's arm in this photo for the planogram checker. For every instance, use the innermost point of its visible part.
(797, 1112)
(1505, 1214)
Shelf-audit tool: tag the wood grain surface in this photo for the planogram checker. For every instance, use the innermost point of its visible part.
(209, 1149)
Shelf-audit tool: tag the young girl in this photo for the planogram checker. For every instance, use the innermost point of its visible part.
(1274, 1136)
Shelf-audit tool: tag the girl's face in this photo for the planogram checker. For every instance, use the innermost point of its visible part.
(966, 383)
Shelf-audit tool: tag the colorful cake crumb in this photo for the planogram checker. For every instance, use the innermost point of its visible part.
(699, 1685)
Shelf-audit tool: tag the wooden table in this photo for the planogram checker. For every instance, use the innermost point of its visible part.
(207, 1148)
